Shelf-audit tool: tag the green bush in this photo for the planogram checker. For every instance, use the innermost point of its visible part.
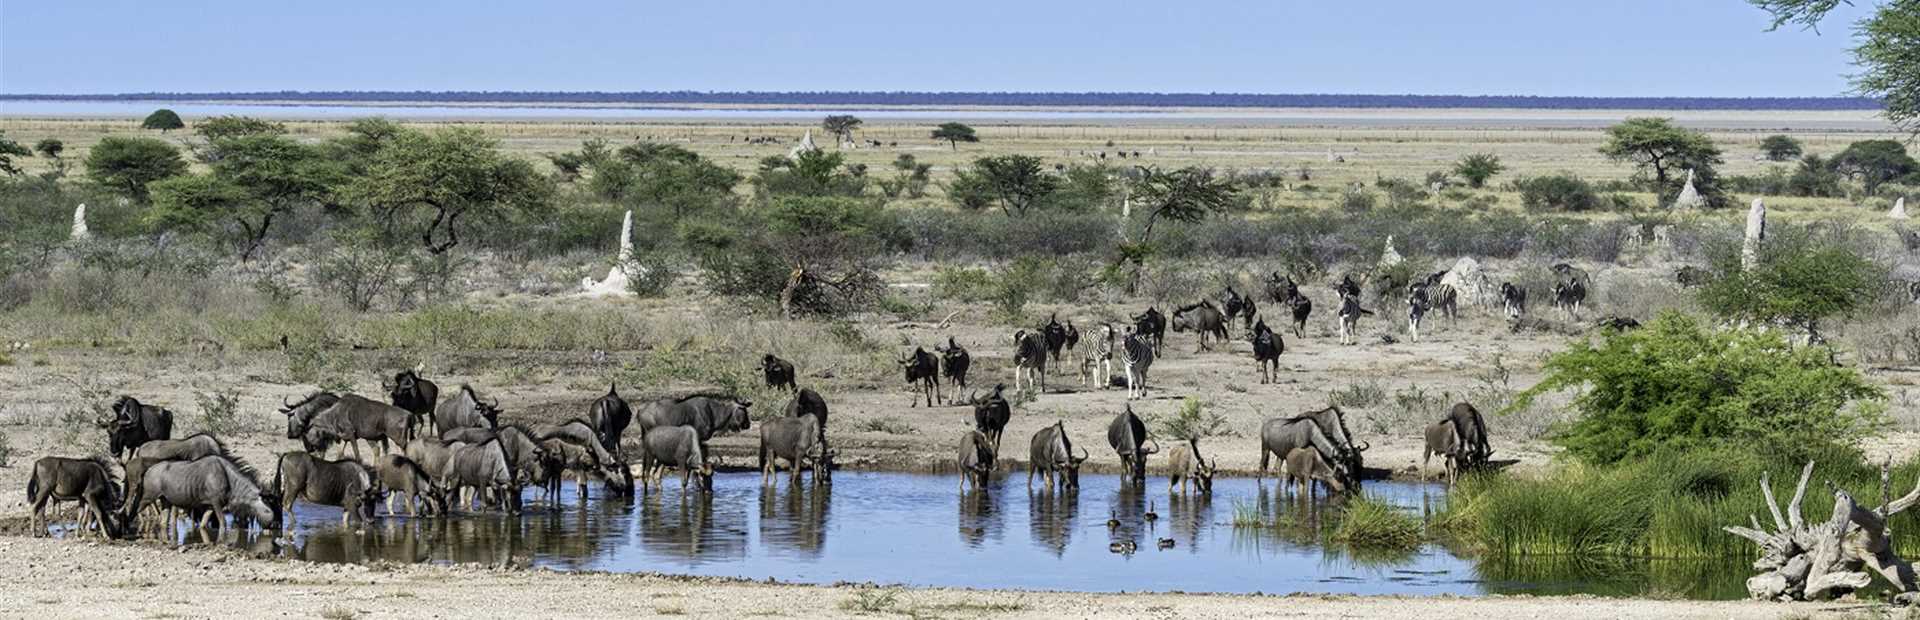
(1677, 383)
(1800, 278)
(1560, 192)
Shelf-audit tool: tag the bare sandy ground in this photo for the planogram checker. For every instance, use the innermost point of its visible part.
(72, 579)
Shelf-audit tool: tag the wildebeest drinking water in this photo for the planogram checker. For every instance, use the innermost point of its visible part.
(89, 481)
(1267, 347)
(347, 483)
(209, 486)
(610, 417)
(778, 372)
(465, 410)
(132, 424)
(483, 468)
(1202, 318)
(323, 418)
(602, 463)
(923, 369)
(1030, 360)
(401, 477)
(795, 440)
(1050, 454)
(416, 395)
(678, 447)
(1127, 435)
(809, 403)
(977, 454)
(954, 362)
(1306, 465)
(1187, 469)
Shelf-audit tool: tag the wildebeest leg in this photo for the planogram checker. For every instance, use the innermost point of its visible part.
(1029, 477)
(1264, 453)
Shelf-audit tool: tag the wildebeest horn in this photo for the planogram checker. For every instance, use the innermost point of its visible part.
(284, 404)
(1084, 455)
(496, 403)
(1364, 445)
(1156, 445)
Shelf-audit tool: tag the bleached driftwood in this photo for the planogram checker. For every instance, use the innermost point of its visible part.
(1822, 561)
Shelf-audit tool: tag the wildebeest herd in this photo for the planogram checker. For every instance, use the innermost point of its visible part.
(437, 455)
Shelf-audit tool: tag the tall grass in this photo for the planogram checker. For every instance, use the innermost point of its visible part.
(1367, 521)
(1671, 505)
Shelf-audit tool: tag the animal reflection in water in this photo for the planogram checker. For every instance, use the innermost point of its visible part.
(794, 518)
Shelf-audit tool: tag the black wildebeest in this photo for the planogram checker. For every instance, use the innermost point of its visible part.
(1137, 356)
(1302, 308)
(133, 424)
(710, 414)
(1152, 326)
(323, 418)
(779, 372)
(1514, 299)
(89, 481)
(1305, 465)
(678, 447)
(416, 395)
(954, 362)
(209, 486)
(795, 440)
(1202, 318)
(991, 414)
(1237, 305)
(1187, 469)
(1030, 360)
(1267, 347)
(922, 368)
(1050, 454)
(1056, 335)
(609, 415)
(465, 410)
(1350, 313)
(1127, 435)
(347, 483)
(1568, 295)
(977, 454)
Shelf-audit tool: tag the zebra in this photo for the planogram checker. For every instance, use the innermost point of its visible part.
(1098, 364)
(1138, 356)
(1417, 306)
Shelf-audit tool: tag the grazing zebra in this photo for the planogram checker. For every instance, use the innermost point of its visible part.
(1138, 356)
(1350, 312)
(1098, 364)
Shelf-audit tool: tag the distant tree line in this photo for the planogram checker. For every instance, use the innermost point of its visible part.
(905, 98)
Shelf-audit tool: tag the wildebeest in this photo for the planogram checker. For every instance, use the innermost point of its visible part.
(1514, 299)
(609, 415)
(1567, 271)
(1443, 439)
(1689, 276)
(710, 414)
(1137, 356)
(1186, 468)
(1030, 360)
(679, 447)
(1347, 286)
(1152, 326)
(465, 410)
(1302, 308)
(89, 481)
(795, 440)
(1267, 347)
(1056, 335)
(1203, 318)
(323, 418)
(483, 468)
(1305, 465)
(1324, 430)
(1239, 306)
(1073, 336)
(977, 454)
(346, 483)
(610, 467)
(1568, 295)
(1281, 288)
(1472, 428)
(401, 477)
(523, 450)
(209, 486)
(195, 446)
(1097, 367)
(991, 414)
(954, 362)
(1617, 323)
(1350, 313)
(809, 403)
(133, 424)
(922, 368)
(1417, 307)
(1127, 435)
(416, 395)
(1050, 453)
(778, 372)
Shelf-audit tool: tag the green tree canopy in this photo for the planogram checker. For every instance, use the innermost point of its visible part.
(162, 119)
(50, 148)
(1801, 278)
(224, 127)
(441, 181)
(1185, 195)
(9, 150)
(954, 134)
(129, 164)
(1677, 383)
(1477, 168)
(1017, 182)
(841, 126)
(1886, 49)
(810, 173)
(1780, 147)
(1874, 162)
(269, 173)
(1662, 152)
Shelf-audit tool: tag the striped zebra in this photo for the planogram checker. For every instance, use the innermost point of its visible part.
(1138, 356)
(1098, 364)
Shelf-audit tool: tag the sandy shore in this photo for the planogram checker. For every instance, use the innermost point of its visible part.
(79, 579)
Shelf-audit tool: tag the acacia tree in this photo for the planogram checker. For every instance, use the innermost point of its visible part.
(9, 150)
(444, 180)
(50, 148)
(129, 164)
(1780, 147)
(841, 126)
(954, 134)
(1017, 182)
(1185, 195)
(1800, 279)
(1887, 51)
(1874, 162)
(162, 119)
(1477, 168)
(1661, 150)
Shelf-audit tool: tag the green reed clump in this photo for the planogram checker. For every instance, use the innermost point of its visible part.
(1669, 505)
(1368, 522)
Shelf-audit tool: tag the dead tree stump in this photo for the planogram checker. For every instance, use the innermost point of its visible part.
(1802, 561)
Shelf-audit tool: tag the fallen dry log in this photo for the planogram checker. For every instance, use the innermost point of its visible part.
(1822, 561)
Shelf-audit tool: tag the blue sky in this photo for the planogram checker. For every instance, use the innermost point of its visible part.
(1493, 47)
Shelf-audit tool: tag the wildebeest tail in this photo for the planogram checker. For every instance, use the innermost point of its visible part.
(33, 487)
